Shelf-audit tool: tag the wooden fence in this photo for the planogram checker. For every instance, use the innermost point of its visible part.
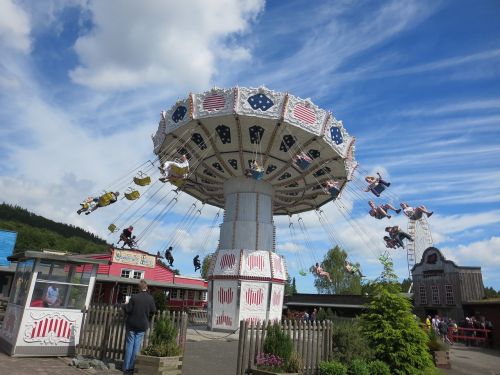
(103, 331)
(312, 340)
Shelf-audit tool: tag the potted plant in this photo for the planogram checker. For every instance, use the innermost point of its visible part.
(440, 351)
(278, 356)
(163, 352)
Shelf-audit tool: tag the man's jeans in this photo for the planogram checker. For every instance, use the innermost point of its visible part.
(133, 345)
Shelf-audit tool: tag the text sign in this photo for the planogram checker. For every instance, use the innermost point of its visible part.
(133, 258)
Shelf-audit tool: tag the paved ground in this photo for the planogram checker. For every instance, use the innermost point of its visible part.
(473, 361)
(39, 366)
(214, 353)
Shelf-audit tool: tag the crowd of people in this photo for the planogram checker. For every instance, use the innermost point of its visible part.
(471, 330)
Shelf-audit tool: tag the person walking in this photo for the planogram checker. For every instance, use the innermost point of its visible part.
(138, 310)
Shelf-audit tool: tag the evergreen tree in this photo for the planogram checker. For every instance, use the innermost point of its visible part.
(290, 287)
(489, 292)
(342, 281)
(391, 329)
(205, 266)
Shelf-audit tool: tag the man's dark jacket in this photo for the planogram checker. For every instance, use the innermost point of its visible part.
(139, 310)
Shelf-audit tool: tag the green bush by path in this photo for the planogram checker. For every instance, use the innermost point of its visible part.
(348, 342)
(332, 368)
(278, 343)
(358, 367)
(392, 331)
(378, 368)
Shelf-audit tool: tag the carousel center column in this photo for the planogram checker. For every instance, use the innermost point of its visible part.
(247, 276)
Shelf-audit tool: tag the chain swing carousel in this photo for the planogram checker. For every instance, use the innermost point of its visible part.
(258, 153)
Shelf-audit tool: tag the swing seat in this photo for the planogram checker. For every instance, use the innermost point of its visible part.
(112, 228)
(379, 188)
(177, 171)
(334, 192)
(303, 164)
(179, 182)
(142, 180)
(257, 174)
(105, 199)
(132, 195)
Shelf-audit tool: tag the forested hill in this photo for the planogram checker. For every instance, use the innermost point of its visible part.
(35, 232)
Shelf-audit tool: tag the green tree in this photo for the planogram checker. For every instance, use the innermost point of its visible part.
(489, 292)
(205, 265)
(405, 285)
(160, 300)
(391, 329)
(342, 281)
(290, 287)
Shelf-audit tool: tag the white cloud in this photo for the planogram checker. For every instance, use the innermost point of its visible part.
(484, 253)
(172, 43)
(327, 45)
(14, 27)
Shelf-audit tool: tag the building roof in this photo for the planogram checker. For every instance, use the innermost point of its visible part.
(11, 268)
(327, 300)
(124, 280)
(443, 259)
(489, 301)
(55, 255)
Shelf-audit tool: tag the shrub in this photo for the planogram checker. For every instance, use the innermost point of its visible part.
(325, 314)
(160, 300)
(391, 329)
(295, 363)
(278, 343)
(358, 367)
(378, 368)
(163, 340)
(332, 368)
(435, 344)
(268, 361)
(348, 342)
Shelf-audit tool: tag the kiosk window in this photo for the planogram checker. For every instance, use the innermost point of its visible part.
(60, 285)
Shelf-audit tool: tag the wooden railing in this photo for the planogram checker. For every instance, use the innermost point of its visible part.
(311, 340)
(197, 317)
(471, 336)
(103, 331)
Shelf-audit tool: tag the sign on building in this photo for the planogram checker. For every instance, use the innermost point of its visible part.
(133, 258)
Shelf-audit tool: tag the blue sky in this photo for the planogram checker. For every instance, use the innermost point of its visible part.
(417, 82)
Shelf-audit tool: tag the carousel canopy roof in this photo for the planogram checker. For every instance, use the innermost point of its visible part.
(222, 131)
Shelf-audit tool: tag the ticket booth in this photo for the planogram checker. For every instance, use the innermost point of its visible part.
(44, 312)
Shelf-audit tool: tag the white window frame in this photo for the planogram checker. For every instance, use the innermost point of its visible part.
(449, 295)
(131, 274)
(423, 295)
(435, 298)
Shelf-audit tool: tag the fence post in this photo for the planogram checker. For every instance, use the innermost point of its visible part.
(105, 336)
(80, 347)
(320, 326)
(183, 333)
(258, 348)
(241, 347)
(251, 347)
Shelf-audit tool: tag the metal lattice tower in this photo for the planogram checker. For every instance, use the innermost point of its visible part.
(420, 232)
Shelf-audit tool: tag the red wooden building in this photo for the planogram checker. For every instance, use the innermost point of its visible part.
(119, 279)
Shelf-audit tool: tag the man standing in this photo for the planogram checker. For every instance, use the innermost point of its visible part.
(139, 310)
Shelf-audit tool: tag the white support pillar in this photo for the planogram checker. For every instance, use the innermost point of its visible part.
(247, 277)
